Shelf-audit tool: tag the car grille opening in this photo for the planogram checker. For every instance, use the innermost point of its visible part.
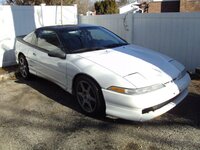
(147, 110)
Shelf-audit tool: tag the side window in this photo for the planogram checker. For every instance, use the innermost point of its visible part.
(34, 39)
(30, 38)
(48, 40)
(72, 37)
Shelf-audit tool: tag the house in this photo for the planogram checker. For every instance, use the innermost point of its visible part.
(158, 6)
(90, 13)
(132, 7)
(189, 5)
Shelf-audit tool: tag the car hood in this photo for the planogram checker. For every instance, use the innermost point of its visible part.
(140, 66)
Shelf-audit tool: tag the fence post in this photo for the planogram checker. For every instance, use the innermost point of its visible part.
(128, 25)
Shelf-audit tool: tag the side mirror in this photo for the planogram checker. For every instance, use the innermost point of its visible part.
(59, 54)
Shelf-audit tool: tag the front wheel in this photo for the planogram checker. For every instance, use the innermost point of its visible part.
(89, 96)
(23, 67)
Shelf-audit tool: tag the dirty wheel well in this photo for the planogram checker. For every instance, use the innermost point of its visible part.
(21, 54)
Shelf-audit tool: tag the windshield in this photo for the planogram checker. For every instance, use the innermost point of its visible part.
(90, 38)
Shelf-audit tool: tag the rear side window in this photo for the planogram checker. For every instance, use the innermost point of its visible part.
(30, 38)
(48, 40)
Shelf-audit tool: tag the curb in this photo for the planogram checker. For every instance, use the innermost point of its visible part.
(7, 76)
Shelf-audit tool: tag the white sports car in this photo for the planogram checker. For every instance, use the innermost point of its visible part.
(105, 73)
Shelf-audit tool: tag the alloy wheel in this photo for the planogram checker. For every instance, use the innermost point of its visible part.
(23, 67)
(86, 96)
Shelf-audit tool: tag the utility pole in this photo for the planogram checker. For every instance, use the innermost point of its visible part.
(61, 2)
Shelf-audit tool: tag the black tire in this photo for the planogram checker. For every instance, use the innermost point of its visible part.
(89, 96)
(23, 67)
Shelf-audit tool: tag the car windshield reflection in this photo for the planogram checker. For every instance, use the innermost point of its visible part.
(90, 39)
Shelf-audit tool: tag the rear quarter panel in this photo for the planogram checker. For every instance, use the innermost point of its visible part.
(21, 47)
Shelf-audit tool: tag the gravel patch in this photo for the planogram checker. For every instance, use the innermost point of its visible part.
(38, 114)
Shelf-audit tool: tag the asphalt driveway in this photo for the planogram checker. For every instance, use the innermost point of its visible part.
(38, 114)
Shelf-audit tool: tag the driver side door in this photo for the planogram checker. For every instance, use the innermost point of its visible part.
(47, 66)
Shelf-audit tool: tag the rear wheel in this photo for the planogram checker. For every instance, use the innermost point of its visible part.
(89, 96)
(23, 67)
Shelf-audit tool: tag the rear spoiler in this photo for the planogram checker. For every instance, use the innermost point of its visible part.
(20, 38)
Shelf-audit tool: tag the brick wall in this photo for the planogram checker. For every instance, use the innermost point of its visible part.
(189, 5)
(169, 6)
(154, 7)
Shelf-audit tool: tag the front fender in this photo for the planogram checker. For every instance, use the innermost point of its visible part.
(104, 77)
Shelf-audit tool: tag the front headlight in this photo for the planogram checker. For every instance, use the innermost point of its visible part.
(137, 90)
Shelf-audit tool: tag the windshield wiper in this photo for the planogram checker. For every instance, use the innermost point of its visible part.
(88, 49)
(116, 45)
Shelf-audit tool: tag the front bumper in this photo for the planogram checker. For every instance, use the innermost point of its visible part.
(146, 106)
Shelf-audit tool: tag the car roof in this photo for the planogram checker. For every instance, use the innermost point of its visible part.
(61, 27)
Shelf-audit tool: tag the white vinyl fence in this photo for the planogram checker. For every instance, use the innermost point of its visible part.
(174, 34)
(116, 23)
(20, 20)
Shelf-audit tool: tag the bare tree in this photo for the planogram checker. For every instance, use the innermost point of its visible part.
(38, 2)
(83, 6)
(122, 2)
